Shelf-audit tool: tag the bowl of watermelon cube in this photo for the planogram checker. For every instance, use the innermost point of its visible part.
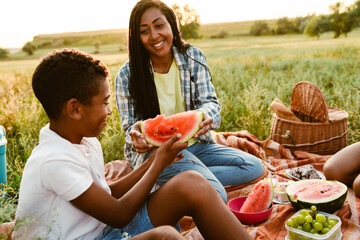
(245, 217)
(313, 225)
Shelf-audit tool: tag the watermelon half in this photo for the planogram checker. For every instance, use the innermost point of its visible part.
(328, 196)
(160, 129)
(261, 197)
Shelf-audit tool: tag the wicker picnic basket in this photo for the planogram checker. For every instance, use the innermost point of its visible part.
(322, 130)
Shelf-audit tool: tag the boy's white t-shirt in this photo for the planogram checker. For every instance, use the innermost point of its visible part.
(56, 173)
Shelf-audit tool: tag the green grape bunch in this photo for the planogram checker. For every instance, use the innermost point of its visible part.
(311, 221)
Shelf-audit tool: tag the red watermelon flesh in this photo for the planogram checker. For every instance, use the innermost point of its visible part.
(261, 197)
(160, 129)
(327, 196)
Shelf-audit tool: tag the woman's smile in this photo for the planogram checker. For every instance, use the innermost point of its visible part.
(159, 45)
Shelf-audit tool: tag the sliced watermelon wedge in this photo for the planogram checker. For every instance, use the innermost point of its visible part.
(328, 196)
(261, 197)
(160, 129)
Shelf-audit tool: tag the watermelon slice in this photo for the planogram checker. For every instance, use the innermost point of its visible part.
(160, 129)
(261, 197)
(327, 196)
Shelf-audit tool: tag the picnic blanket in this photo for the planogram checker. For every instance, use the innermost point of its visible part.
(276, 159)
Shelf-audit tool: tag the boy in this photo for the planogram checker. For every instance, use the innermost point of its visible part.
(63, 193)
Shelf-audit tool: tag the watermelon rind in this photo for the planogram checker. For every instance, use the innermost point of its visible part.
(185, 136)
(255, 201)
(329, 204)
(272, 191)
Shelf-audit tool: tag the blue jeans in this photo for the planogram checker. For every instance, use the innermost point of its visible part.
(139, 224)
(220, 165)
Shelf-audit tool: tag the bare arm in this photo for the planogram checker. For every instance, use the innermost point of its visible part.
(96, 202)
(122, 186)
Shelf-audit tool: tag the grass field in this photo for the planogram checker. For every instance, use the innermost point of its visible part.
(248, 74)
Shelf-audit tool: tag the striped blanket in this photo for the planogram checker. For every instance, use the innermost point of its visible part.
(276, 159)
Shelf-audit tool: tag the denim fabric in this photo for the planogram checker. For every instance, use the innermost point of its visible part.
(221, 165)
(110, 233)
(139, 224)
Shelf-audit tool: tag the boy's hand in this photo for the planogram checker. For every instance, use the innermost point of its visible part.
(138, 139)
(168, 152)
(204, 125)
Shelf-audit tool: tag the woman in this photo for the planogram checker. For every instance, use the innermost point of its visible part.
(165, 75)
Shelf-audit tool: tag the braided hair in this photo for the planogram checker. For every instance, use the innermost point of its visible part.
(141, 84)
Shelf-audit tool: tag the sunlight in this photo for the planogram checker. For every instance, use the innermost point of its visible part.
(41, 17)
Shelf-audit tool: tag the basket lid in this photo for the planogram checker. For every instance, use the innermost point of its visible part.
(307, 99)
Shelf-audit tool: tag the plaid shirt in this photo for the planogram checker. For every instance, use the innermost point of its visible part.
(199, 94)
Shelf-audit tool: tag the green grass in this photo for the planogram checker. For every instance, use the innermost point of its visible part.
(252, 72)
(104, 49)
(248, 74)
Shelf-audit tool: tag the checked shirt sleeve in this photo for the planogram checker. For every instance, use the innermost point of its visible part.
(126, 109)
(123, 100)
(205, 98)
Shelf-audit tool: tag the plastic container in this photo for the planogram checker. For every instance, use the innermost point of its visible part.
(3, 142)
(333, 234)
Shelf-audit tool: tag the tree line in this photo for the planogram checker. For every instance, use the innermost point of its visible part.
(341, 20)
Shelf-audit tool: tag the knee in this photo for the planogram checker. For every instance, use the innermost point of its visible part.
(254, 164)
(255, 168)
(191, 182)
(331, 170)
(259, 168)
(356, 186)
(205, 186)
(211, 185)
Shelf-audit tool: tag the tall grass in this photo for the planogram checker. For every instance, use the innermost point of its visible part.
(248, 73)
(248, 78)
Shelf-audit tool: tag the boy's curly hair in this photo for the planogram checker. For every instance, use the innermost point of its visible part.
(67, 74)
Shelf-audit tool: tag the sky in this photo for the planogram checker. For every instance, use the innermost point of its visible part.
(21, 20)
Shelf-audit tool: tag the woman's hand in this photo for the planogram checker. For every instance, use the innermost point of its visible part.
(138, 139)
(204, 126)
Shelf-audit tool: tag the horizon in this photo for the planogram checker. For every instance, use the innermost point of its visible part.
(89, 15)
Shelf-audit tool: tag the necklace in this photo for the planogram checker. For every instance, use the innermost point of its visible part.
(161, 68)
